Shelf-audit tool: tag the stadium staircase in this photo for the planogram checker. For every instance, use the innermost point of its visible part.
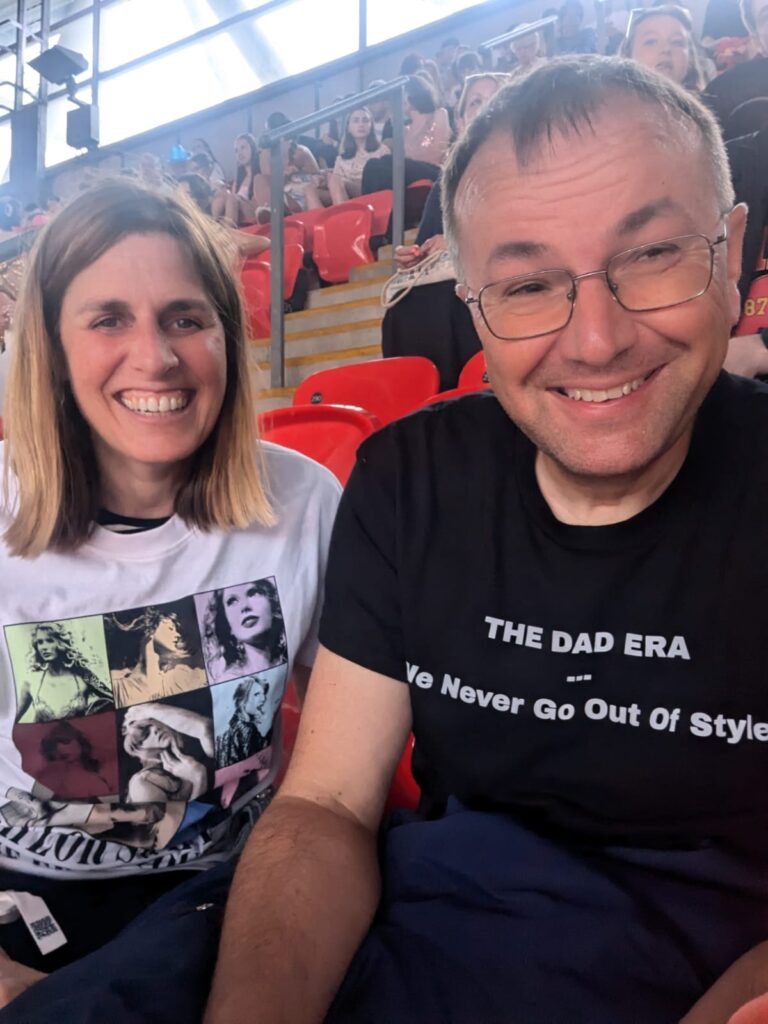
(341, 324)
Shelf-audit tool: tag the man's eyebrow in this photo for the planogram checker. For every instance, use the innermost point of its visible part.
(645, 214)
(521, 249)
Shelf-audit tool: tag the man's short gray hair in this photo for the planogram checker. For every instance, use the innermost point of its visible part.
(563, 97)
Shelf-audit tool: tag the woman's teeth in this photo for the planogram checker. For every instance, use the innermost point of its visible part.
(153, 404)
(586, 395)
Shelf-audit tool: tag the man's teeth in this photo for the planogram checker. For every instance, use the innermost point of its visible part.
(165, 403)
(585, 395)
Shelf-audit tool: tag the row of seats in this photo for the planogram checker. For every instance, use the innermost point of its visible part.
(338, 238)
(333, 411)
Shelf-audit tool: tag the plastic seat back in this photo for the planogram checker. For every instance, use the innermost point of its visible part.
(255, 277)
(329, 434)
(382, 209)
(388, 388)
(404, 790)
(342, 239)
(474, 376)
(293, 261)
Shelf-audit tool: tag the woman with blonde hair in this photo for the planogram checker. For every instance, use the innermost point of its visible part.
(134, 483)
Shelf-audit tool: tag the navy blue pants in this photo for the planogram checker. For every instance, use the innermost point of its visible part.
(157, 969)
(484, 922)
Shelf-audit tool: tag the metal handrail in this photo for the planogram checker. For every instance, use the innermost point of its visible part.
(544, 25)
(271, 140)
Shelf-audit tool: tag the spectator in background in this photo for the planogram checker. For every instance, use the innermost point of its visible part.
(216, 177)
(428, 133)
(201, 164)
(572, 37)
(200, 193)
(446, 55)
(431, 321)
(358, 146)
(238, 205)
(380, 111)
(466, 63)
(411, 63)
(11, 214)
(322, 150)
(745, 81)
(662, 38)
(528, 51)
(427, 137)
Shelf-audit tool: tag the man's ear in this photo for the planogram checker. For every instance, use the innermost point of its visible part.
(461, 291)
(737, 223)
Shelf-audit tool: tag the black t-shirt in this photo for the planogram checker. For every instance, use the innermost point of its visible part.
(609, 682)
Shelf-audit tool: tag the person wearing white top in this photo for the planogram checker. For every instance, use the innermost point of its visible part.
(138, 503)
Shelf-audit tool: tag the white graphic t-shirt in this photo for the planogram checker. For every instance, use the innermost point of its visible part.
(141, 681)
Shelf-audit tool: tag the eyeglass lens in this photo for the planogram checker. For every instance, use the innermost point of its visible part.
(648, 277)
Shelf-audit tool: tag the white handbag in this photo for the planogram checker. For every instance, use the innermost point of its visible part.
(434, 268)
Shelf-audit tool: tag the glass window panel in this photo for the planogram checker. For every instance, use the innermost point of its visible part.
(5, 151)
(56, 148)
(124, 33)
(236, 61)
(7, 74)
(389, 18)
(66, 8)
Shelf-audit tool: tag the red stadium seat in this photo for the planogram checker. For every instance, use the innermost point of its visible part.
(329, 434)
(293, 231)
(382, 210)
(474, 376)
(386, 387)
(342, 239)
(404, 790)
(256, 278)
(293, 262)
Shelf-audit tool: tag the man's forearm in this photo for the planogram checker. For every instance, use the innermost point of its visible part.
(743, 981)
(304, 894)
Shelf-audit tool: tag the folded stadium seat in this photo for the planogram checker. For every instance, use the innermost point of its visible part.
(256, 277)
(342, 239)
(306, 220)
(388, 388)
(474, 376)
(293, 261)
(293, 231)
(382, 210)
(415, 201)
(329, 434)
(403, 791)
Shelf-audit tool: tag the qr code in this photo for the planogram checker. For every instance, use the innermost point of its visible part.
(43, 928)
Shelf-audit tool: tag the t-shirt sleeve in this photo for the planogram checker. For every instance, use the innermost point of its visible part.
(361, 618)
(327, 494)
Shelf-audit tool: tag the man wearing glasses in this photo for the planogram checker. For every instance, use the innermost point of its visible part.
(561, 588)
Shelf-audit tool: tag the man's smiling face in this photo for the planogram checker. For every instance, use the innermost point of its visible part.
(577, 203)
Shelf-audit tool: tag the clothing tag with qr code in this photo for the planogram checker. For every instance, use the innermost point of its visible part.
(42, 925)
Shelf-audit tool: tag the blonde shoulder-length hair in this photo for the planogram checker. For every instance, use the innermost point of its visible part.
(51, 477)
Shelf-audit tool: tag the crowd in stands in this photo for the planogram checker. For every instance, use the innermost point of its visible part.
(587, 848)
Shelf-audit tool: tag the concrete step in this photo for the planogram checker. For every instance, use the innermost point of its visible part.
(322, 298)
(297, 368)
(273, 398)
(325, 339)
(372, 271)
(340, 315)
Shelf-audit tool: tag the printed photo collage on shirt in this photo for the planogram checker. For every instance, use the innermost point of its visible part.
(146, 710)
